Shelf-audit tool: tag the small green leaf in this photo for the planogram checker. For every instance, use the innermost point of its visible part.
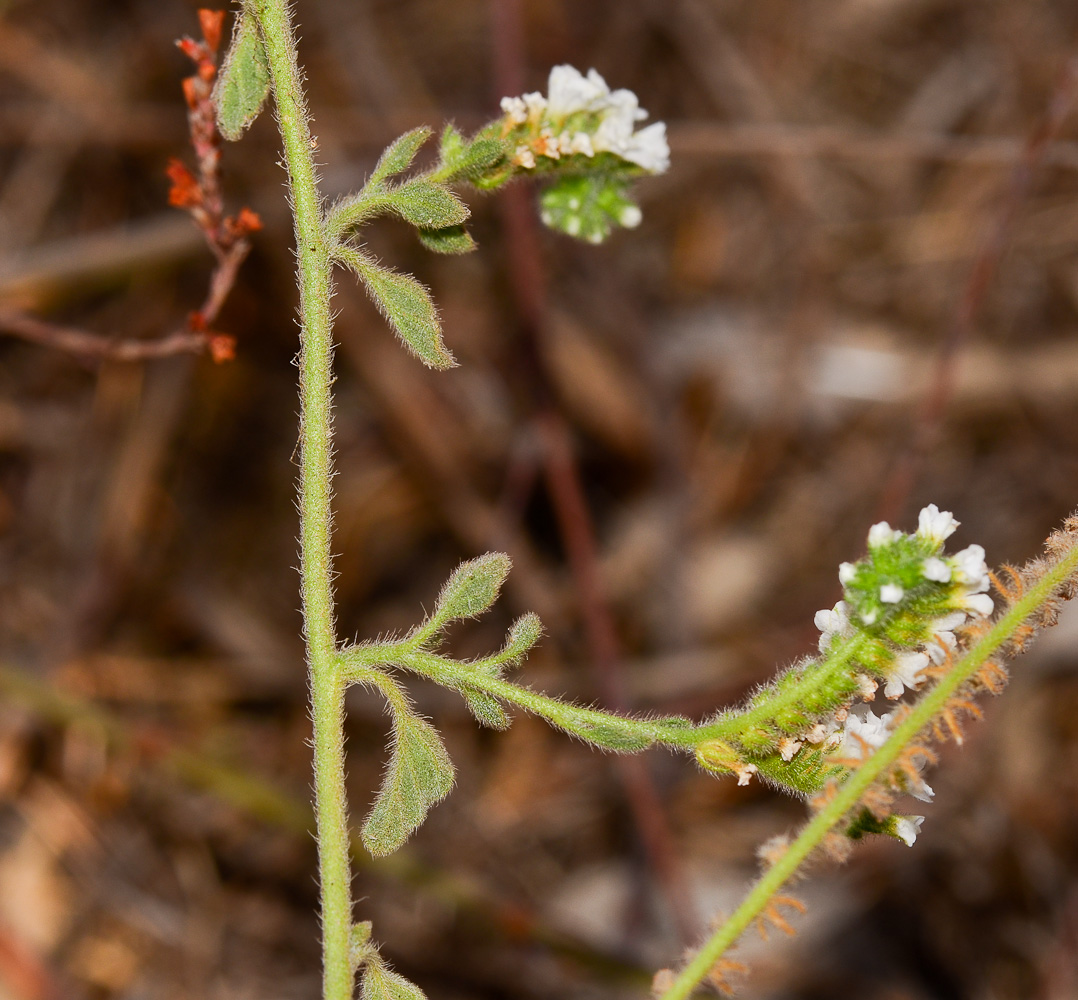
(399, 155)
(451, 239)
(451, 145)
(406, 304)
(419, 775)
(244, 80)
(472, 588)
(427, 205)
(464, 160)
(525, 633)
(381, 984)
(486, 709)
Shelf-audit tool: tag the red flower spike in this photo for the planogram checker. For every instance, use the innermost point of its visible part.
(222, 348)
(207, 71)
(190, 48)
(247, 222)
(185, 192)
(196, 322)
(211, 22)
(192, 87)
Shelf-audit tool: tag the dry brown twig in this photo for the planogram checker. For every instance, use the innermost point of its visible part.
(200, 195)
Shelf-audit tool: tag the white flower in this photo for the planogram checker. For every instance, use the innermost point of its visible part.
(866, 687)
(935, 524)
(882, 534)
(937, 570)
(923, 791)
(906, 674)
(941, 645)
(569, 91)
(949, 622)
(907, 828)
(524, 157)
(535, 103)
(970, 568)
(630, 216)
(834, 620)
(978, 604)
(832, 623)
(865, 732)
(869, 617)
(891, 593)
(649, 149)
(581, 143)
(846, 572)
(515, 110)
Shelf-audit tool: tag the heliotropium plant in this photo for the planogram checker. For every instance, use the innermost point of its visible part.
(901, 658)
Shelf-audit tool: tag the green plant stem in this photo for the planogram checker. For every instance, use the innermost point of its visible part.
(316, 468)
(850, 793)
(452, 674)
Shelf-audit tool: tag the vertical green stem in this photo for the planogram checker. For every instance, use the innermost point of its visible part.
(316, 467)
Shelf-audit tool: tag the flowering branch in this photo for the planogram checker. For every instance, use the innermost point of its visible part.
(860, 801)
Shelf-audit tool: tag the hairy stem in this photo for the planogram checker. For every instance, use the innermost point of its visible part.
(315, 497)
(875, 767)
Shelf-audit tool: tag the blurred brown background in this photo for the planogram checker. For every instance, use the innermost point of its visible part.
(677, 437)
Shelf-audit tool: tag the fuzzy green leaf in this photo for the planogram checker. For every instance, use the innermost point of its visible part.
(525, 633)
(427, 205)
(244, 81)
(406, 304)
(464, 160)
(485, 708)
(473, 587)
(451, 239)
(381, 984)
(419, 775)
(399, 155)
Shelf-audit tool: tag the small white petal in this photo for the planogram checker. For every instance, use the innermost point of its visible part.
(969, 565)
(923, 792)
(630, 216)
(907, 828)
(936, 569)
(935, 524)
(978, 604)
(940, 645)
(949, 621)
(515, 110)
(535, 103)
(869, 617)
(582, 144)
(906, 673)
(891, 593)
(882, 533)
(846, 572)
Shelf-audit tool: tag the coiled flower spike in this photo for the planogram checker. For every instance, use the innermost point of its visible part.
(585, 133)
(895, 624)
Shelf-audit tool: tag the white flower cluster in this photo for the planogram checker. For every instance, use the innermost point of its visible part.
(967, 569)
(569, 92)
